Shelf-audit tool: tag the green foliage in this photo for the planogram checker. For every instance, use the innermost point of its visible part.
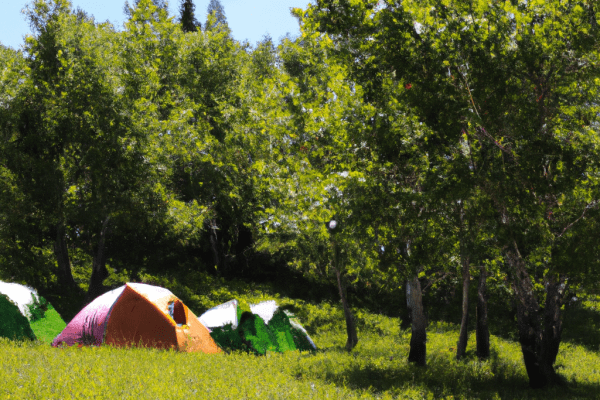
(215, 16)
(504, 166)
(315, 317)
(37, 307)
(582, 322)
(14, 325)
(187, 19)
(429, 130)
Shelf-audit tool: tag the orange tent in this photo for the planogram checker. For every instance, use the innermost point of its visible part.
(138, 314)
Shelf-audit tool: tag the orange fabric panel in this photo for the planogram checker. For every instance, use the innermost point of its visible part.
(162, 304)
(196, 337)
(134, 318)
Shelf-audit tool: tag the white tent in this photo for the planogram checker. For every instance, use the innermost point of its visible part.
(20, 295)
(226, 313)
(221, 315)
(296, 324)
(264, 309)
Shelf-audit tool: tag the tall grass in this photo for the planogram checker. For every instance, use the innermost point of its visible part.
(377, 368)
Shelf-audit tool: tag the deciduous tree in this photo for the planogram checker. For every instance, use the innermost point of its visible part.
(516, 82)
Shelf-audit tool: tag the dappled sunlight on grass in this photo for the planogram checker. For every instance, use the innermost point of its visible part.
(582, 323)
(379, 365)
(376, 368)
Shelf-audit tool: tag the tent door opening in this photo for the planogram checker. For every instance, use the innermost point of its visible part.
(177, 312)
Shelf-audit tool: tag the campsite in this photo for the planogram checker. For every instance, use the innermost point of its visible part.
(372, 370)
(400, 202)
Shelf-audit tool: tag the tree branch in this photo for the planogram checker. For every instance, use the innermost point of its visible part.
(593, 204)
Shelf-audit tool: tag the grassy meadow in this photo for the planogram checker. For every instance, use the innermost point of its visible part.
(376, 369)
(47, 328)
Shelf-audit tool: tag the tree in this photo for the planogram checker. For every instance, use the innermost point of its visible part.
(486, 77)
(24, 252)
(71, 147)
(187, 18)
(306, 113)
(216, 10)
(128, 9)
(473, 221)
(217, 170)
(391, 200)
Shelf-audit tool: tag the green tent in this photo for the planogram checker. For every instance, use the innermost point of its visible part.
(44, 320)
(265, 328)
(255, 334)
(281, 328)
(14, 325)
(301, 338)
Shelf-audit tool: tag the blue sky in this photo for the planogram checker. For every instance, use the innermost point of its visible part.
(248, 19)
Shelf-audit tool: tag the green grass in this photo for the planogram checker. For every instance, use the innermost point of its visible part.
(47, 328)
(377, 368)
(582, 323)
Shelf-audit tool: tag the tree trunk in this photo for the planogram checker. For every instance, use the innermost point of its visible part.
(539, 336)
(418, 340)
(555, 291)
(214, 245)
(461, 346)
(61, 252)
(99, 271)
(350, 325)
(405, 317)
(66, 296)
(482, 333)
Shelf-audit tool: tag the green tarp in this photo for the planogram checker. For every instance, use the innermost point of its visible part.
(13, 325)
(252, 334)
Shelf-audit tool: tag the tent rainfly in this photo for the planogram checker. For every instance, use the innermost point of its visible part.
(137, 313)
(13, 325)
(23, 296)
(265, 328)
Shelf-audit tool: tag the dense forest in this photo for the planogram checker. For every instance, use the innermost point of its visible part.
(395, 151)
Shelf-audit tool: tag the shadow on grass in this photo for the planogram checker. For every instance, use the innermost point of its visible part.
(582, 326)
(441, 377)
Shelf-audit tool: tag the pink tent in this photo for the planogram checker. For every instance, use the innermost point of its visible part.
(137, 313)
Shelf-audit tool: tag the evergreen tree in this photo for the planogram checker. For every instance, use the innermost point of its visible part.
(187, 19)
(220, 19)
